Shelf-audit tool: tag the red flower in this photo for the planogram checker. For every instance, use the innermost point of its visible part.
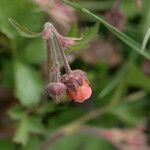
(78, 88)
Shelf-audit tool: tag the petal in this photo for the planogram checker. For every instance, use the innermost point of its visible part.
(83, 93)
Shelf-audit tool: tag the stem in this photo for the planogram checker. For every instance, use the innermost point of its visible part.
(53, 50)
(63, 56)
(56, 67)
(48, 61)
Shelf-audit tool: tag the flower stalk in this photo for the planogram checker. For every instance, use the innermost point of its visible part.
(63, 56)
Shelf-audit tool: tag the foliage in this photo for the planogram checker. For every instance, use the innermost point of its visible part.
(120, 92)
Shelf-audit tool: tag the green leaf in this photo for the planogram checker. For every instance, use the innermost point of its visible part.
(22, 132)
(128, 113)
(26, 126)
(129, 8)
(24, 13)
(97, 5)
(7, 144)
(22, 30)
(89, 35)
(16, 112)
(28, 84)
(35, 125)
(145, 41)
(33, 144)
(34, 52)
(80, 141)
(73, 31)
(137, 78)
(125, 38)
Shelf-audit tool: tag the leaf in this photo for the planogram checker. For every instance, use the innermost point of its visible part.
(27, 125)
(24, 14)
(129, 8)
(33, 144)
(22, 30)
(73, 31)
(16, 112)
(88, 35)
(97, 5)
(122, 36)
(81, 141)
(129, 113)
(34, 52)
(35, 126)
(28, 84)
(7, 144)
(145, 41)
(137, 78)
(22, 133)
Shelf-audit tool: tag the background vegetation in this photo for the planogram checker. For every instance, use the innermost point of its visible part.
(117, 114)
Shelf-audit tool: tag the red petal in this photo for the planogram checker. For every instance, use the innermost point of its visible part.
(83, 93)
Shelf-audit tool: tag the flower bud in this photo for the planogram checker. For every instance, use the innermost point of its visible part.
(56, 90)
(78, 88)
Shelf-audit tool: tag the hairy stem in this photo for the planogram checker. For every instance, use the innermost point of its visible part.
(63, 56)
(56, 67)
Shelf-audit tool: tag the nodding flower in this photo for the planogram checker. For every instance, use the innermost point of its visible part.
(74, 82)
(78, 87)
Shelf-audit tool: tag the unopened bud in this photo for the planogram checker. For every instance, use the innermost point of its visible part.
(56, 90)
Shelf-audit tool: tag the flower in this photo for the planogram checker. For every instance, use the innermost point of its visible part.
(56, 90)
(78, 87)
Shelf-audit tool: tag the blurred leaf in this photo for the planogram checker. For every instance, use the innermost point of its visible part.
(35, 126)
(125, 38)
(27, 125)
(16, 113)
(80, 141)
(108, 88)
(7, 144)
(7, 78)
(145, 22)
(137, 78)
(34, 52)
(73, 31)
(28, 84)
(33, 144)
(22, 30)
(128, 113)
(129, 8)
(88, 35)
(97, 5)
(145, 41)
(24, 14)
(22, 132)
